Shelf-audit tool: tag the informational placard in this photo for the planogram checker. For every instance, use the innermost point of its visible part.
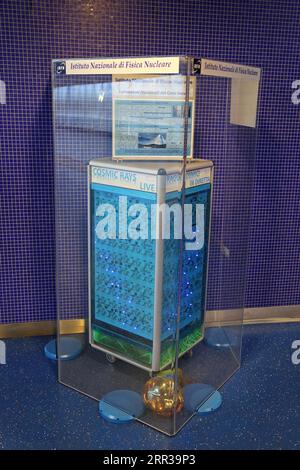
(135, 65)
(217, 68)
(149, 117)
(244, 89)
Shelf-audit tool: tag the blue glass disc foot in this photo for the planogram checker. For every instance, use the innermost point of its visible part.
(201, 398)
(69, 347)
(219, 337)
(121, 406)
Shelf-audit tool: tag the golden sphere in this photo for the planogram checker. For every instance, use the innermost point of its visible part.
(159, 396)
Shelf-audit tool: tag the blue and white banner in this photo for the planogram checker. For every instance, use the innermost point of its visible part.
(145, 181)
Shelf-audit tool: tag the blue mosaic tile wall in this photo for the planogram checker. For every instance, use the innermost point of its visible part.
(258, 32)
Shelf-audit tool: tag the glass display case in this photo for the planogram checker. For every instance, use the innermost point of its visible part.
(154, 161)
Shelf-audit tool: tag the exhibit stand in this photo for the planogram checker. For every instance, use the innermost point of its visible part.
(154, 162)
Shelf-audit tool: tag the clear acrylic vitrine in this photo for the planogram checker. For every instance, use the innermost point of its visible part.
(154, 161)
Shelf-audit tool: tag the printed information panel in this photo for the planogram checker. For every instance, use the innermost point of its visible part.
(149, 117)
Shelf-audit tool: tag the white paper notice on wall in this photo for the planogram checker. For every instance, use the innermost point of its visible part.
(244, 89)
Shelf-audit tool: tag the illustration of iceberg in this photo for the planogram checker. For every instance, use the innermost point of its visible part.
(152, 140)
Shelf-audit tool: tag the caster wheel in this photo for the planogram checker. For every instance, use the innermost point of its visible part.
(110, 358)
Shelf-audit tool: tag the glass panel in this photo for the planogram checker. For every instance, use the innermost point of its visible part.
(133, 238)
(216, 295)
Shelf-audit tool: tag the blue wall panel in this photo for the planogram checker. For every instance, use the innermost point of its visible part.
(258, 32)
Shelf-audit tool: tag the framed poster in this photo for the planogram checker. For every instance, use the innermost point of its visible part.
(148, 117)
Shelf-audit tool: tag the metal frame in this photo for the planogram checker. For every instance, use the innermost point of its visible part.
(208, 246)
(158, 275)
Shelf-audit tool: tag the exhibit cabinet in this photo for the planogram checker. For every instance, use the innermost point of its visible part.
(154, 163)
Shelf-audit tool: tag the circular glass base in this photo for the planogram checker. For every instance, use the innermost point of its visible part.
(121, 406)
(201, 398)
(70, 348)
(220, 338)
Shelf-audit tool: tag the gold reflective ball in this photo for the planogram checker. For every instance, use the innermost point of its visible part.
(159, 396)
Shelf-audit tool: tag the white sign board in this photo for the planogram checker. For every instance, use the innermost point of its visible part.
(139, 65)
(244, 88)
